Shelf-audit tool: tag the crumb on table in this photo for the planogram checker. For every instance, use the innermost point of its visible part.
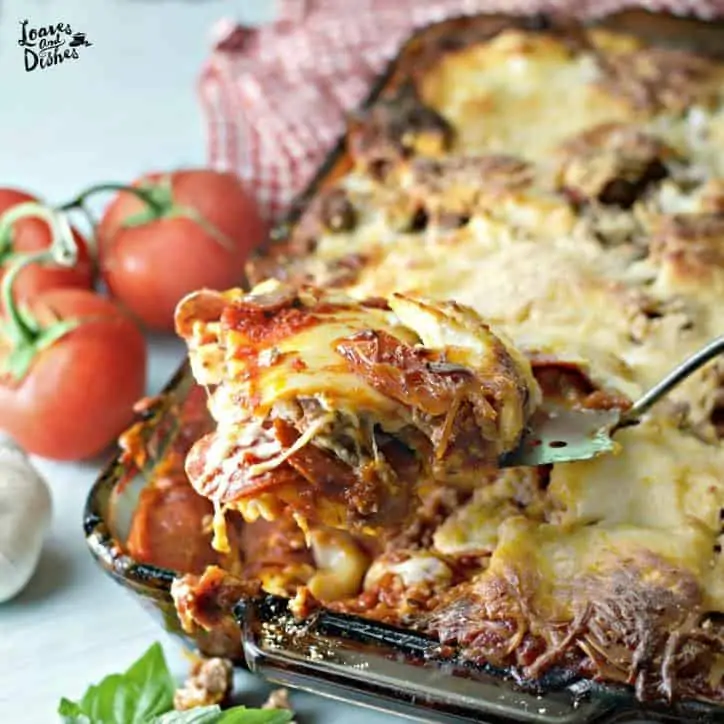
(209, 682)
(278, 699)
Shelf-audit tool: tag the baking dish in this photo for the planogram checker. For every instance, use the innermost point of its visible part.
(298, 660)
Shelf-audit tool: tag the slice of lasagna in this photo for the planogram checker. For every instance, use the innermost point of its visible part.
(336, 411)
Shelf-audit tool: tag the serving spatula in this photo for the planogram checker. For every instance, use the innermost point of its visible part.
(559, 434)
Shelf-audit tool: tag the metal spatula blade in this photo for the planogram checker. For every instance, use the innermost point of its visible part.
(560, 434)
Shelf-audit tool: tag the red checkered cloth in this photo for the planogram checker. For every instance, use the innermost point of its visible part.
(275, 97)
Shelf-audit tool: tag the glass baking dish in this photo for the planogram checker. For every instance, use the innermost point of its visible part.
(349, 657)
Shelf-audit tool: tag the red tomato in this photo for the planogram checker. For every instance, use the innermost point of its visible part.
(150, 266)
(32, 234)
(79, 391)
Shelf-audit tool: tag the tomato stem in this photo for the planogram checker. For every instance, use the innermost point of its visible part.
(18, 329)
(6, 242)
(157, 195)
(63, 247)
(62, 251)
(143, 194)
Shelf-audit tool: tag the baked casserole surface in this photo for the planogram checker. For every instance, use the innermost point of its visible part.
(567, 183)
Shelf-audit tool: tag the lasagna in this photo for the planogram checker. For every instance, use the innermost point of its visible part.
(567, 184)
(336, 411)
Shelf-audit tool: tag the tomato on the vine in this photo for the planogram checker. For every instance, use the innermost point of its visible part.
(78, 393)
(32, 234)
(173, 234)
(72, 364)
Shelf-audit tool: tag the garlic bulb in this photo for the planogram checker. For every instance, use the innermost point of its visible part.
(25, 510)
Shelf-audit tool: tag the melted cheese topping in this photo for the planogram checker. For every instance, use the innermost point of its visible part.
(578, 293)
(303, 364)
(485, 90)
(417, 568)
(661, 479)
(560, 559)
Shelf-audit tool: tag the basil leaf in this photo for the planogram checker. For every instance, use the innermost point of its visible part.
(154, 684)
(200, 715)
(144, 695)
(214, 715)
(111, 702)
(240, 715)
(135, 697)
(71, 712)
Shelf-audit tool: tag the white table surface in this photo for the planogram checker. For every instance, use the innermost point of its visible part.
(126, 106)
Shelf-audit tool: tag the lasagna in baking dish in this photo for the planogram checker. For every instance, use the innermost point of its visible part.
(335, 411)
(566, 185)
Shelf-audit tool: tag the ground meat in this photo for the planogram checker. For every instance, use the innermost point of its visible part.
(435, 507)
(278, 699)
(435, 176)
(396, 128)
(568, 384)
(628, 625)
(648, 313)
(210, 682)
(611, 163)
(657, 79)
(344, 271)
(450, 190)
(692, 245)
(331, 210)
(712, 196)
(205, 609)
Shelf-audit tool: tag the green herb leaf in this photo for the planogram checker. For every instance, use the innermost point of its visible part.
(214, 715)
(155, 684)
(144, 695)
(111, 701)
(135, 697)
(240, 715)
(199, 715)
(71, 713)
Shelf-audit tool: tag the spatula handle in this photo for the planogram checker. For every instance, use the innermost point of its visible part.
(672, 380)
